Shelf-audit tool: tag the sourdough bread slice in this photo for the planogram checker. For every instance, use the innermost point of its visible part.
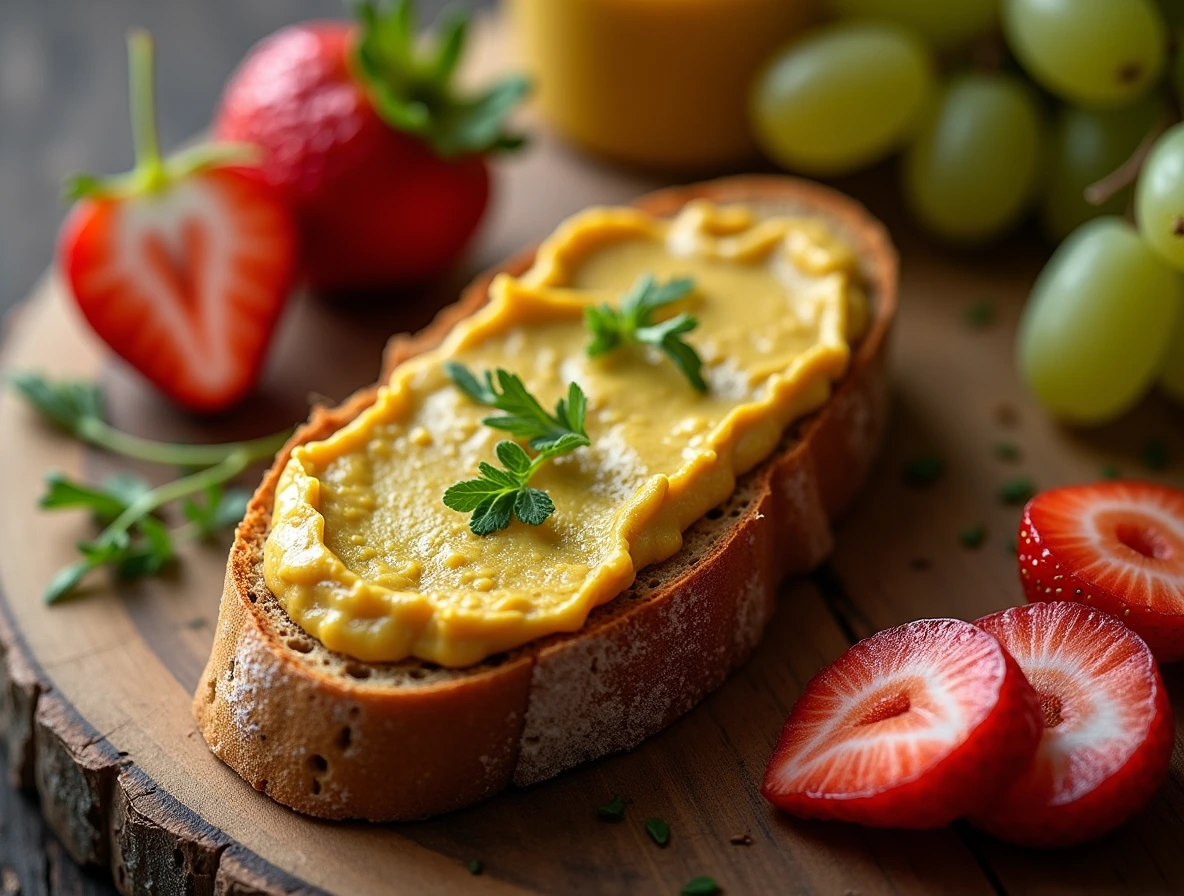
(337, 738)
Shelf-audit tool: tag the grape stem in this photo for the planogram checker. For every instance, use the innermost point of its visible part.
(1125, 174)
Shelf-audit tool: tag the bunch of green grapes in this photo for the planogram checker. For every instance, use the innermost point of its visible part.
(1059, 107)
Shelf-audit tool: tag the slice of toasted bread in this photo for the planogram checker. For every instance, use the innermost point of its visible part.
(337, 738)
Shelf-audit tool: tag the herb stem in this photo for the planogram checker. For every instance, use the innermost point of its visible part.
(229, 467)
(101, 434)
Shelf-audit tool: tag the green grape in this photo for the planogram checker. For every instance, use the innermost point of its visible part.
(1159, 197)
(1086, 146)
(972, 171)
(1098, 323)
(842, 97)
(945, 23)
(1090, 52)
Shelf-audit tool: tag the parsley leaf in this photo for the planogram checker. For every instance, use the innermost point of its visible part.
(525, 417)
(633, 323)
(658, 830)
(222, 509)
(498, 494)
(700, 886)
(501, 493)
(134, 541)
(614, 810)
(67, 403)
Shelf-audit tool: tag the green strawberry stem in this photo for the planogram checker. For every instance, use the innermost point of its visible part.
(412, 87)
(152, 172)
(102, 435)
(149, 164)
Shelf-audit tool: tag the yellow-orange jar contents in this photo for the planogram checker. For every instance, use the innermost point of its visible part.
(659, 83)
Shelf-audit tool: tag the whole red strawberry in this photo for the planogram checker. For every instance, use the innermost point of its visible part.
(183, 265)
(382, 160)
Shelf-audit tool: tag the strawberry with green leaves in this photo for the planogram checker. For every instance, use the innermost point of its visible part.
(363, 130)
(183, 265)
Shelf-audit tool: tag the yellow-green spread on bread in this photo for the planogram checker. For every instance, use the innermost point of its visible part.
(364, 555)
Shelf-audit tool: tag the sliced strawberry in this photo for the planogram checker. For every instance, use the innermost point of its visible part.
(911, 728)
(1108, 725)
(183, 265)
(1118, 546)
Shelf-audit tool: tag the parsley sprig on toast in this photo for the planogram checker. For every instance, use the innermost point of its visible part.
(500, 494)
(633, 323)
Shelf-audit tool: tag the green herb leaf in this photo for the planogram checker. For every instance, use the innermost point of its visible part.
(1016, 491)
(513, 458)
(475, 866)
(67, 403)
(525, 418)
(700, 886)
(533, 506)
(614, 810)
(973, 537)
(64, 493)
(149, 553)
(499, 495)
(493, 514)
(633, 323)
(1110, 471)
(923, 470)
(77, 408)
(658, 830)
(66, 580)
(467, 496)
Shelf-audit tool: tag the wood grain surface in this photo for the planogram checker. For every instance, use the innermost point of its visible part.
(95, 692)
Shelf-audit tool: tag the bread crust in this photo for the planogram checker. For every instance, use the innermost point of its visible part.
(339, 739)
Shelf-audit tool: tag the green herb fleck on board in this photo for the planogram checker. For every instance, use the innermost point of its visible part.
(973, 537)
(1016, 491)
(980, 314)
(1110, 471)
(1007, 451)
(1012, 546)
(658, 830)
(476, 866)
(700, 886)
(1154, 455)
(923, 470)
(612, 811)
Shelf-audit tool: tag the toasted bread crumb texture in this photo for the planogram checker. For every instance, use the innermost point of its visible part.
(336, 738)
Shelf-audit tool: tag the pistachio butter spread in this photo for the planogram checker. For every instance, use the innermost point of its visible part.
(364, 555)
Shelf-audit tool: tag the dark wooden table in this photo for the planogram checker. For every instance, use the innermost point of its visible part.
(63, 108)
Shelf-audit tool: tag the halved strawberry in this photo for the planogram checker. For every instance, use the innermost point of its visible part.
(1108, 725)
(1118, 546)
(911, 728)
(183, 265)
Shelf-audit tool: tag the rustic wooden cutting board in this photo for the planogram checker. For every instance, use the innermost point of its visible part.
(96, 691)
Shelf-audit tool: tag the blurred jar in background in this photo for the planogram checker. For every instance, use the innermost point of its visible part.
(657, 83)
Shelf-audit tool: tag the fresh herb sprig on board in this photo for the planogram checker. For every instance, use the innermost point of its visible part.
(134, 540)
